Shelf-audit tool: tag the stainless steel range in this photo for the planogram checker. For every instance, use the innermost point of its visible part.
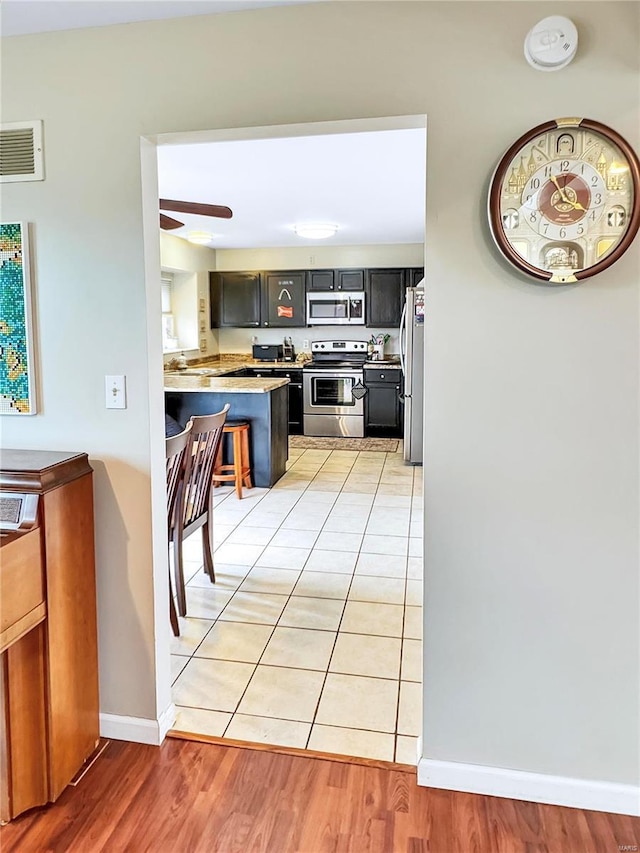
(333, 389)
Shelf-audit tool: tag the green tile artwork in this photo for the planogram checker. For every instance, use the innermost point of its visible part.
(16, 380)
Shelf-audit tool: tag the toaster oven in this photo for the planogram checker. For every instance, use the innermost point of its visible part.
(268, 352)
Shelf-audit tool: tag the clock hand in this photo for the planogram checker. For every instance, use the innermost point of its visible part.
(574, 204)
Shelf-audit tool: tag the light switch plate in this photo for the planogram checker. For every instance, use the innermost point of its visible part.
(115, 392)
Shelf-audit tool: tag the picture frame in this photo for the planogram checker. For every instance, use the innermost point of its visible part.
(17, 377)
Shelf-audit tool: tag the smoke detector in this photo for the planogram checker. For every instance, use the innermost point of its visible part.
(551, 44)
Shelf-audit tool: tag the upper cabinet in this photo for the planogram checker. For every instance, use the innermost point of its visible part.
(277, 299)
(385, 294)
(254, 299)
(335, 279)
(283, 299)
(235, 299)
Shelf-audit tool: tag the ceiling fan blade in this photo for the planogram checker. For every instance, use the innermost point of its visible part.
(168, 223)
(199, 209)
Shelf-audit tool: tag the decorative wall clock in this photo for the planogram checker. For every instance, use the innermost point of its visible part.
(564, 202)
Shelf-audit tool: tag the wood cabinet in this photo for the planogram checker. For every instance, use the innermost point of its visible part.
(294, 391)
(414, 276)
(49, 668)
(349, 279)
(383, 416)
(385, 294)
(253, 299)
(338, 279)
(321, 280)
(277, 299)
(283, 299)
(235, 299)
(295, 399)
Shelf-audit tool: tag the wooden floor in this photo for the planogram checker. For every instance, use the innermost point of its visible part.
(187, 796)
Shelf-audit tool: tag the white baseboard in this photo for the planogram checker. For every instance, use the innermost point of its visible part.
(137, 729)
(166, 720)
(534, 787)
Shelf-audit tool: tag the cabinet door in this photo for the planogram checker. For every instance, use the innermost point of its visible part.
(349, 279)
(414, 276)
(385, 297)
(235, 299)
(320, 280)
(283, 299)
(295, 401)
(383, 411)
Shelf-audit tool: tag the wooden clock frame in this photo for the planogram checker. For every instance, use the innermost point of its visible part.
(495, 191)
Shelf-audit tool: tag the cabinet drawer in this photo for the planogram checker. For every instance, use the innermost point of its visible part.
(21, 581)
(382, 376)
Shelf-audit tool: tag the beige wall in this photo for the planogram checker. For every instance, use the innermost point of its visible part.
(531, 467)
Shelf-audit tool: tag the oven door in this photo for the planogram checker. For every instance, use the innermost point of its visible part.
(329, 392)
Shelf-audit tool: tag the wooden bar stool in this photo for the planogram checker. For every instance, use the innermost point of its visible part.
(240, 467)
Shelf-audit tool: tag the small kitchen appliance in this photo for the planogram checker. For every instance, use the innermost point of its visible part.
(333, 389)
(344, 308)
(268, 352)
(288, 352)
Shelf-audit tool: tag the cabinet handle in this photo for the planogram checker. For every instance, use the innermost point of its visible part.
(266, 324)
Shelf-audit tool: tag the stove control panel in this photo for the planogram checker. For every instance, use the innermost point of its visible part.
(339, 347)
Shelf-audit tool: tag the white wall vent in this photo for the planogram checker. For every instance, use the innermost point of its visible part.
(21, 156)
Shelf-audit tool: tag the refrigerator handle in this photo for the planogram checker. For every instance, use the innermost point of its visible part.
(403, 337)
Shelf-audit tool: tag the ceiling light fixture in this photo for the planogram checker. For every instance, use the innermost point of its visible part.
(200, 238)
(315, 231)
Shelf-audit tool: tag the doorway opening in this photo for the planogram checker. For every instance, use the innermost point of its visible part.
(312, 635)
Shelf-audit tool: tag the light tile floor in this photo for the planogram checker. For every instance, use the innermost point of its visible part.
(312, 635)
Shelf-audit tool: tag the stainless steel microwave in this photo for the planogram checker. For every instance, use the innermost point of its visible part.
(335, 309)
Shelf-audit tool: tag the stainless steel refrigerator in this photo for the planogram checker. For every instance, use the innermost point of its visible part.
(412, 362)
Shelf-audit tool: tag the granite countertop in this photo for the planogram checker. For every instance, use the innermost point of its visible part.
(390, 364)
(222, 384)
(227, 364)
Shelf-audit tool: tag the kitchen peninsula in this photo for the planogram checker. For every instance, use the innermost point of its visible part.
(262, 401)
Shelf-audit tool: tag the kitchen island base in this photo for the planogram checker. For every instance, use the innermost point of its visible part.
(267, 416)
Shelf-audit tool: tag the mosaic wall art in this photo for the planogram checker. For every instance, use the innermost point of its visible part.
(17, 389)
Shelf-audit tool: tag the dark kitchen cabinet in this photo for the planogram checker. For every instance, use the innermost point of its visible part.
(335, 279)
(385, 297)
(294, 390)
(283, 299)
(252, 299)
(277, 299)
(349, 279)
(320, 280)
(295, 399)
(260, 371)
(383, 403)
(385, 294)
(235, 299)
(414, 276)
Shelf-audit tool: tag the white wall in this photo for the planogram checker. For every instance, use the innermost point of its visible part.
(532, 608)
(180, 256)
(321, 257)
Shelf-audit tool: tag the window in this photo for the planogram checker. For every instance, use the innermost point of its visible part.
(169, 337)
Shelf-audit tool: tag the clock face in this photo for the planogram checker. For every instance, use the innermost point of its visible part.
(564, 202)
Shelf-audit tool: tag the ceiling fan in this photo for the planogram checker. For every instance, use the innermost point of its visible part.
(168, 223)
